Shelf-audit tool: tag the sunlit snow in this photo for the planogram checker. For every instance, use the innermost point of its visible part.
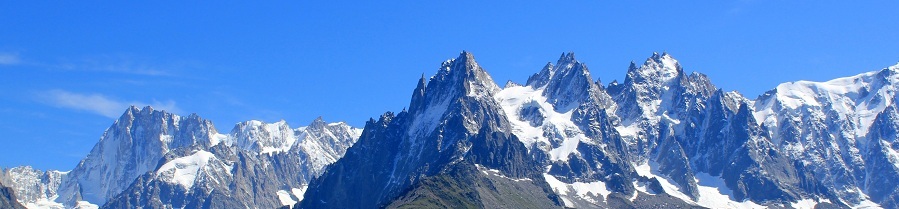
(183, 170)
(513, 99)
(713, 193)
(856, 98)
(582, 190)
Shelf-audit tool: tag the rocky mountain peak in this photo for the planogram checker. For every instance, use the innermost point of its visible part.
(418, 94)
(656, 70)
(567, 57)
(891, 73)
(510, 83)
(568, 84)
(453, 122)
(31, 185)
(458, 85)
(260, 137)
(567, 64)
(8, 198)
(130, 147)
(318, 124)
(465, 71)
(459, 77)
(650, 87)
(540, 78)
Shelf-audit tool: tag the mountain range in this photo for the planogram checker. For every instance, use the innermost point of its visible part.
(662, 138)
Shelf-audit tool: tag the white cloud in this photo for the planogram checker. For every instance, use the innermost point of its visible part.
(9, 58)
(106, 64)
(99, 103)
(126, 67)
(120, 64)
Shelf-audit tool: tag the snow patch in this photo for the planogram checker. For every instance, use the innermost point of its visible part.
(299, 192)
(561, 153)
(218, 138)
(892, 155)
(85, 205)
(667, 184)
(512, 100)
(713, 193)
(628, 131)
(429, 119)
(183, 170)
(582, 190)
(44, 204)
(867, 204)
(494, 172)
(856, 98)
(285, 198)
(807, 203)
(264, 137)
(291, 197)
(553, 125)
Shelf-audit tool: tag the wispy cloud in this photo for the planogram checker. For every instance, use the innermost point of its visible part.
(98, 103)
(9, 58)
(119, 64)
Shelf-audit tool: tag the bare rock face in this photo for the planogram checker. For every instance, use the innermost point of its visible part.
(454, 136)
(662, 136)
(155, 159)
(256, 165)
(8, 198)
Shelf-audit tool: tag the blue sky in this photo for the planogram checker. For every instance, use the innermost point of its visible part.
(68, 69)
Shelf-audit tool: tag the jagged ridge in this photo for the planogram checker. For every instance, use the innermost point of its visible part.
(662, 138)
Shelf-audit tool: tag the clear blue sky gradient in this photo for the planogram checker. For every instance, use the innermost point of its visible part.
(68, 68)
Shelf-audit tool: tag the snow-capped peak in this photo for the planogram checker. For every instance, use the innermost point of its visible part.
(510, 83)
(827, 124)
(460, 79)
(856, 98)
(258, 136)
(567, 57)
(318, 123)
(462, 76)
(33, 188)
(477, 82)
(540, 78)
(657, 69)
(647, 87)
(129, 148)
(568, 84)
(188, 170)
(550, 72)
(541, 112)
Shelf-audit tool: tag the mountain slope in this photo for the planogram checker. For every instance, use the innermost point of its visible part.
(257, 165)
(8, 198)
(882, 162)
(131, 147)
(155, 159)
(828, 127)
(662, 127)
(34, 188)
(452, 128)
(567, 122)
(661, 136)
(661, 139)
